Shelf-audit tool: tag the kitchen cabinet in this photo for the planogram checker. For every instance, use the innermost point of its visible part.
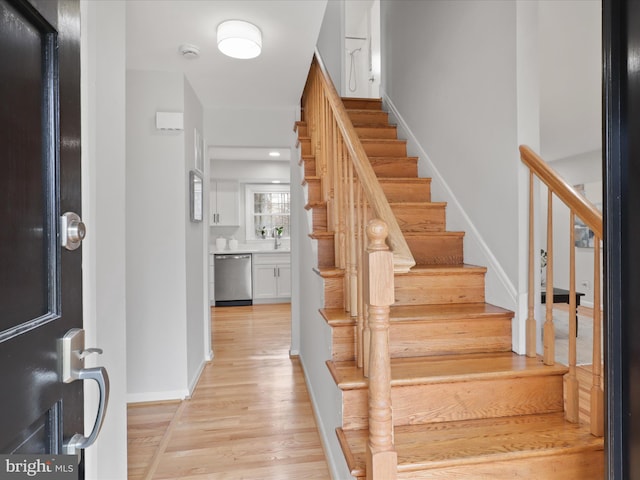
(224, 203)
(271, 277)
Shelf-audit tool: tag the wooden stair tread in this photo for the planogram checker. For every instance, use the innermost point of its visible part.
(381, 140)
(418, 180)
(390, 159)
(311, 178)
(329, 272)
(469, 442)
(364, 102)
(304, 158)
(383, 126)
(447, 368)
(311, 205)
(317, 235)
(418, 204)
(443, 269)
(435, 233)
(423, 313)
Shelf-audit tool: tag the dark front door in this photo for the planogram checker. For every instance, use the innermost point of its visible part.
(40, 282)
(621, 41)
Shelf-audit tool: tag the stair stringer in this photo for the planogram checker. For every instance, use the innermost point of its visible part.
(499, 289)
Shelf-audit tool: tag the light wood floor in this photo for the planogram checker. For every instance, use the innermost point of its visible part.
(249, 418)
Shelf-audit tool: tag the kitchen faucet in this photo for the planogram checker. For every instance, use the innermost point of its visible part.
(277, 238)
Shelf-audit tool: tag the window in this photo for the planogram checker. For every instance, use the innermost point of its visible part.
(268, 207)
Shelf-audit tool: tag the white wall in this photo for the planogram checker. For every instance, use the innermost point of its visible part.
(315, 334)
(570, 117)
(580, 169)
(156, 275)
(451, 81)
(103, 210)
(331, 42)
(570, 77)
(249, 127)
(196, 251)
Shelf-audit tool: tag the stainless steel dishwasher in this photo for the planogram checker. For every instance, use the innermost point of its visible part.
(232, 274)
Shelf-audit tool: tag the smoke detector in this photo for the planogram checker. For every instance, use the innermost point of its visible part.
(189, 51)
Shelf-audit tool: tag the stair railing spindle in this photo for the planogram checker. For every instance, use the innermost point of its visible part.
(597, 392)
(353, 262)
(403, 259)
(571, 381)
(366, 340)
(549, 335)
(531, 321)
(359, 255)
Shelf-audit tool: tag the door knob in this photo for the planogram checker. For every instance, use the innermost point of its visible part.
(72, 230)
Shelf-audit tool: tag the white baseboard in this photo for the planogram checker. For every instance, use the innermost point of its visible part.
(324, 435)
(157, 396)
(196, 377)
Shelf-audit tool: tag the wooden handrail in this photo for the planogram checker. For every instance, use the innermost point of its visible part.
(565, 192)
(578, 207)
(402, 258)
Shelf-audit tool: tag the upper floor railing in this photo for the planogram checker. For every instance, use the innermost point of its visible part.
(579, 207)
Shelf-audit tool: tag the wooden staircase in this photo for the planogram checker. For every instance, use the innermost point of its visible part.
(464, 405)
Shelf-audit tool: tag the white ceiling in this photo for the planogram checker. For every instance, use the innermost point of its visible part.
(156, 29)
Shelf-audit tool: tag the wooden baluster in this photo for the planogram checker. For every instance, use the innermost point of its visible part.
(597, 392)
(338, 155)
(353, 256)
(382, 459)
(359, 253)
(346, 242)
(531, 321)
(366, 333)
(342, 161)
(570, 379)
(549, 329)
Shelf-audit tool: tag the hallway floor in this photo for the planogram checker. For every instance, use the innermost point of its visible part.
(250, 416)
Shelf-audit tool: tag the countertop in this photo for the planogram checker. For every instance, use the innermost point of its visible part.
(248, 249)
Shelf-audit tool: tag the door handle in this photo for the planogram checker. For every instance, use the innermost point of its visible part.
(79, 441)
(72, 354)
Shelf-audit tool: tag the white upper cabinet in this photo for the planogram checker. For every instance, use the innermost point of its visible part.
(224, 203)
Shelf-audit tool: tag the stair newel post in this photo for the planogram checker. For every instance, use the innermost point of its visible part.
(382, 459)
(597, 392)
(549, 329)
(570, 379)
(531, 321)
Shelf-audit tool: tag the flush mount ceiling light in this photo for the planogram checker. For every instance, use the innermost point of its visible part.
(239, 39)
(274, 154)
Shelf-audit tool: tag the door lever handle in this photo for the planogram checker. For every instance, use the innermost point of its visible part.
(79, 441)
(72, 354)
(88, 351)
